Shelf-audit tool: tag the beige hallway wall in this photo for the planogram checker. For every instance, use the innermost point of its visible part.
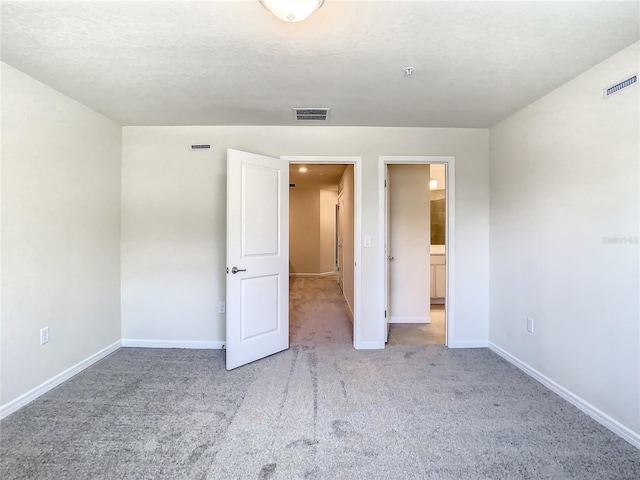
(304, 231)
(346, 188)
(328, 200)
(312, 230)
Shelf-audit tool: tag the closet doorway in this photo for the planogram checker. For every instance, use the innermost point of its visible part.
(418, 222)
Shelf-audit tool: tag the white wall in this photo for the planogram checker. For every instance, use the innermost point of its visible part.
(173, 220)
(564, 176)
(60, 233)
(409, 238)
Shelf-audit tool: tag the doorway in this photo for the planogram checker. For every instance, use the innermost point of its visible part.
(257, 297)
(342, 217)
(419, 304)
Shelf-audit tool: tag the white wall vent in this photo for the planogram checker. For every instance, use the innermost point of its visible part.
(200, 146)
(626, 83)
(302, 114)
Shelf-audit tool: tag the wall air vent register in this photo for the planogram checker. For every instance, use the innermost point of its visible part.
(305, 114)
(618, 87)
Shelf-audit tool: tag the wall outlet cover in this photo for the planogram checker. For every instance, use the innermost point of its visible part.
(529, 325)
(44, 335)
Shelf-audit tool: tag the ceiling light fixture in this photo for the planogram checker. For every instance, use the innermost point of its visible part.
(292, 10)
(433, 184)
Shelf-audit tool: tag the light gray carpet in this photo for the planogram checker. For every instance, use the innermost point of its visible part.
(320, 410)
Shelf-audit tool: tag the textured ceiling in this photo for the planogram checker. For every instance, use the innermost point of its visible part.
(317, 175)
(233, 63)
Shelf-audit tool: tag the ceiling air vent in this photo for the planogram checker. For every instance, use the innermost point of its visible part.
(200, 146)
(626, 83)
(319, 114)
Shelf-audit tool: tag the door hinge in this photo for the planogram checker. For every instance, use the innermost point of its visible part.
(385, 314)
(385, 184)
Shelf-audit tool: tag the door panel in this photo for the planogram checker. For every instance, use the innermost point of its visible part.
(260, 313)
(260, 199)
(258, 247)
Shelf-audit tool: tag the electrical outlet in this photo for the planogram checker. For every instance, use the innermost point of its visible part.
(529, 325)
(221, 307)
(44, 335)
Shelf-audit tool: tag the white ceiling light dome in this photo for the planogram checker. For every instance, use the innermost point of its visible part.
(292, 10)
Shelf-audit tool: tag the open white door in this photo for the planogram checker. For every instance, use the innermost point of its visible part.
(257, 257)
(387, 251)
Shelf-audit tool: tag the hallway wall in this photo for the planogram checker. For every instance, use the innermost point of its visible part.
(311, 230)
(346, 190)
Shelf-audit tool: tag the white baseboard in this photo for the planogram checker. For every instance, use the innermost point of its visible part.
(31, 395)
(195, 344)
(325, 274)
(598, 415)
(410, 319)
(468, 344)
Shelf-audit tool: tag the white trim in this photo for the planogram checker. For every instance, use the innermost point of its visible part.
(358, 343)
(31, 395)
(598, 415)
(450, 239)
(468, 344)
(324, 274)
(192, 344)
(410, 319)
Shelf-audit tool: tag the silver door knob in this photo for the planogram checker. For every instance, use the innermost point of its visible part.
(236, 270)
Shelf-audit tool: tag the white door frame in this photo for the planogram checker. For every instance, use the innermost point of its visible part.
(357, 213)
(450, 237)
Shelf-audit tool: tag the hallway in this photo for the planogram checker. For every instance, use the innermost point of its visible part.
(318, 312)
(319, 315)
